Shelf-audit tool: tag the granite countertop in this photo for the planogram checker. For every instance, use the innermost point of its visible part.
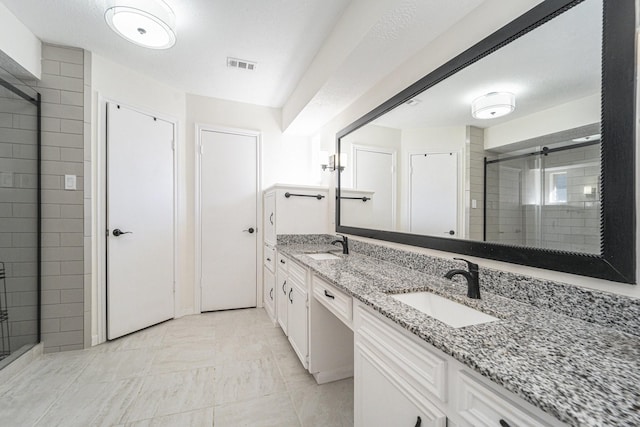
(579, 372)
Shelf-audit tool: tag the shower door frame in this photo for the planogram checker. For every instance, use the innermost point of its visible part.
(38, 104)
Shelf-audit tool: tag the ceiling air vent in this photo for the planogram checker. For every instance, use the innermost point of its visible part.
(241, 64)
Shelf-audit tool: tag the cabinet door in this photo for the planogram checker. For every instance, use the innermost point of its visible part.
(269, 293)
(382, 399)
(270, 218)
(282, 299)
(297, 321)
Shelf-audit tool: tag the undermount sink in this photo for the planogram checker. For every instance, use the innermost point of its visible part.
(450, 312)
(323, 256)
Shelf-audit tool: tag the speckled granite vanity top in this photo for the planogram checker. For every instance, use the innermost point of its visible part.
(580, 372)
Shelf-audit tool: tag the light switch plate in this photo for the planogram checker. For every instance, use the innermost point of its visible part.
(69, 182)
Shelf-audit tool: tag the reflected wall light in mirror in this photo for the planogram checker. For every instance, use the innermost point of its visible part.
(520, 58)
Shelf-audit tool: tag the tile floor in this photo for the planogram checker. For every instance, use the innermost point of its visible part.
(230, 368)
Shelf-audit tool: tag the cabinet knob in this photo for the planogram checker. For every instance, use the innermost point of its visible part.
(282, 261)
(269, 259)
(503, 423)
(418, 421)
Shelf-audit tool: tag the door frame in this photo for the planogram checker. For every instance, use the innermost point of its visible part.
(461, 190)
(394, 173)
(197, 149)
(99, 216)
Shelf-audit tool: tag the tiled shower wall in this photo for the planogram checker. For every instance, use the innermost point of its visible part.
(573, 225)
(475, 159)
(63, 127)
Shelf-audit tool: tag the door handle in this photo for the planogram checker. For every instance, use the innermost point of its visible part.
(450, 232)
(250, 230)
(117, 232)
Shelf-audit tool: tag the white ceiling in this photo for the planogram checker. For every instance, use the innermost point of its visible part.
(282, 36)
(556, 63)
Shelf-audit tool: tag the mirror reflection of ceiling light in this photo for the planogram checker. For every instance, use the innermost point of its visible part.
(493, 105)
(147, 23)
(589, 138)
(413, 102)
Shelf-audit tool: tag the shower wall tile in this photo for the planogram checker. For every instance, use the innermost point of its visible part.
(63, 86)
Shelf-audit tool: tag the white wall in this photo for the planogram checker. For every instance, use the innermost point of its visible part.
(111, 81)
(581, 112)
(493, 15)
(20, 44)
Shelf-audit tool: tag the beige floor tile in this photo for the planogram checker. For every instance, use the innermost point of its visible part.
(233, 365)
(185, 356)
(118, 365)
(246, 380)
(269, 411)
(197, 418)
(92, 404)
(329, 404)
(172, 393)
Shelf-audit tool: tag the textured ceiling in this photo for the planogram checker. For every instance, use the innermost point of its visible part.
(556, 63)
(282, 36)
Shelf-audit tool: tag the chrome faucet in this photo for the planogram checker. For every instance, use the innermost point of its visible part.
(472, 276)
(344, 242)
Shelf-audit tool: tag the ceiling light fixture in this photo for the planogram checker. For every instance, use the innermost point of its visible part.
(147, 23)
(493, 105)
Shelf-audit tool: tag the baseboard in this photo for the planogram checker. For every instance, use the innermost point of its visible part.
(334, 375)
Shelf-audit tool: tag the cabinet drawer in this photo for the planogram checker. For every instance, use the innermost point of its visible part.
(282, 262)
(297, 273)
(269, 255)
(424, 369)
(480, 405)
(334, 299)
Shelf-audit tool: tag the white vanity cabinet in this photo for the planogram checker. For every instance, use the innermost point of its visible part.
(298, 321)
(399, 377)
(292, 306)
(295, 209)
(282, 291)
(269, 288)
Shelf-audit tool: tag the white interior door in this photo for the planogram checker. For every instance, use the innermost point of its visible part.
(140, 203)
(228, 220)
(374, 170)
(434, 194)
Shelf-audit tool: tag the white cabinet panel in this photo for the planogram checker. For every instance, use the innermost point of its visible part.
(297, 321)
(383, 398)
(269, 220)
(479, 405)
(269, 293)
(282, 299)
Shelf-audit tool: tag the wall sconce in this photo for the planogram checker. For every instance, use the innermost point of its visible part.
(331, 162)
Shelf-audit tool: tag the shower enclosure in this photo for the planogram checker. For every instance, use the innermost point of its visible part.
(546, 197)
(19, 218)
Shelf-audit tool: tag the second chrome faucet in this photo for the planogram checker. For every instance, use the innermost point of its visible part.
(472, 276)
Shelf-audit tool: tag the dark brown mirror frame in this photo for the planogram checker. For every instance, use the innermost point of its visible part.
(617, 261)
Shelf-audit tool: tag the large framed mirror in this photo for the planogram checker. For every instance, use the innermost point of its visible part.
(521, 149)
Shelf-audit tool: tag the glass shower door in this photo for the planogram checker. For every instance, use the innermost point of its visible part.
(19, 219)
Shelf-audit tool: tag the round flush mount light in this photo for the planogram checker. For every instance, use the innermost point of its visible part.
(147, 23)
(493, 105)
